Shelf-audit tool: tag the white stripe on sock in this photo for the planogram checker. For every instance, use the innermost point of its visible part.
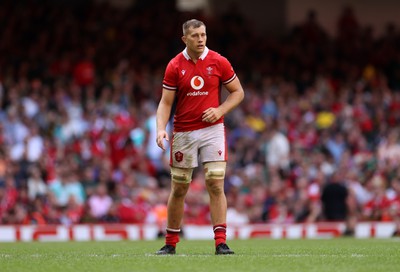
(219, 228)
(173, 230)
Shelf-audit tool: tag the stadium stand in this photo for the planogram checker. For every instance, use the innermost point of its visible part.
(78, 89)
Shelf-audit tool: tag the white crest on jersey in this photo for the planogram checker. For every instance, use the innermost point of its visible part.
(183, 72)
(197, 82)
(209, 70)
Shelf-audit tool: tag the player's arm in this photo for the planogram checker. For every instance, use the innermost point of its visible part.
(236, 95)
(163, 114)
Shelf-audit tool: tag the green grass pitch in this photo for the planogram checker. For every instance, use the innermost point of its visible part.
(340, 254)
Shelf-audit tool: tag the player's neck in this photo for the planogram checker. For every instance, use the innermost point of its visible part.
(194, 56)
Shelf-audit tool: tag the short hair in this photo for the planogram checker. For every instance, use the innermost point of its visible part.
(191, 23)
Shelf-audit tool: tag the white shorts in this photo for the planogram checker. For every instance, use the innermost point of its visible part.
(206, 144)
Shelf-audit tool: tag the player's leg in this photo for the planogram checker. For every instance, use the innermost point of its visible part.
(180, 178)
(183, 160)
(213, 155)
(180, 184)
(215, 173)
(176, 202)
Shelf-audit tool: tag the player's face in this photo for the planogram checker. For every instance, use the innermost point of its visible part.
(195, 40)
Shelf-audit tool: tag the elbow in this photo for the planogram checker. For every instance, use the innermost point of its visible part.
(241, 95)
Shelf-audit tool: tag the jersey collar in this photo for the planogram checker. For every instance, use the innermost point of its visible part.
(202, 57)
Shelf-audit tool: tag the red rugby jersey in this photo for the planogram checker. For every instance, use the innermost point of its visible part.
(197, 86)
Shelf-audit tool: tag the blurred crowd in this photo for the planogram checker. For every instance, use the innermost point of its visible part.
(316, 139)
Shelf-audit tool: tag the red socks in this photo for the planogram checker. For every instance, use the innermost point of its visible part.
(219, 234)
(172, 237)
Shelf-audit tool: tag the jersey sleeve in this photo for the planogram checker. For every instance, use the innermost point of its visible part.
(170, 81)
(227, 72)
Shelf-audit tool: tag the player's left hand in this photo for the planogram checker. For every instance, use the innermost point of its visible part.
(211, 115)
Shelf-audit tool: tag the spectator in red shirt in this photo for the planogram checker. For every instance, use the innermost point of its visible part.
(377, 209)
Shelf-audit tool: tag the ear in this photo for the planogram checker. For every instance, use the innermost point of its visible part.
(184, 39)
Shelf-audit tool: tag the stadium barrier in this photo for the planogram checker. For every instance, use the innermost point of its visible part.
(117, 232)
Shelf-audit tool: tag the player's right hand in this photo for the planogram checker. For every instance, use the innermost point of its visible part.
(161, 135)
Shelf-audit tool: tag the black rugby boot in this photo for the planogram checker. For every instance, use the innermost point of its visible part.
(166, 250)
(223, 249)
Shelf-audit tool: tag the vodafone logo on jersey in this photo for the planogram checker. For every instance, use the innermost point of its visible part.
(197, 82)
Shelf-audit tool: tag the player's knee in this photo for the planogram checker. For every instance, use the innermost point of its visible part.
(215, 170)
(215, 187)
(179, 190)
(181, 175)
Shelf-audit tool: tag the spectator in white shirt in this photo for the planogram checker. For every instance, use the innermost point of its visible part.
(278, 149)
(100, 203)
(36, 184)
